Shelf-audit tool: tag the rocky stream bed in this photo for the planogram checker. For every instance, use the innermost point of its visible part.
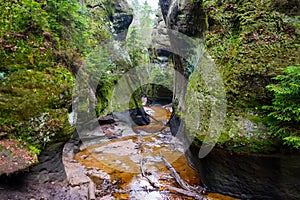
(113, 161)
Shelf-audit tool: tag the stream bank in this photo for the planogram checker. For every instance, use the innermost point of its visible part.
(245, 175)
(250, 176)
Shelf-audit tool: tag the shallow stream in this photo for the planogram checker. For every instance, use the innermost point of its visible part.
(130, 166)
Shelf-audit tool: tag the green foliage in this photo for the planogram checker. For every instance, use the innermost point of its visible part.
(139, 33)
(284, 113)
(33, 105)
(249, 42)
(161, 77)
(22, 16)
(41, 44)
(136, 47)
(34, 150)
(103, 68)
(143, 14)
(160, 82)
(36, 33)
(104, 92)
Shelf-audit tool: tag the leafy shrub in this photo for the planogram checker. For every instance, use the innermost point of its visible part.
(284, 113)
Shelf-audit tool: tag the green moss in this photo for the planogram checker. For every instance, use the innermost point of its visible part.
(34, 150)
(249, 42)
(29, 92)
(242, 135)
(257, 118)
(42, 46)
(34, 105)
(2, 148)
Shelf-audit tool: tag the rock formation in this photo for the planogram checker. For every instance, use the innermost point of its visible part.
(121, 18)
(160, 38)
(245, 57)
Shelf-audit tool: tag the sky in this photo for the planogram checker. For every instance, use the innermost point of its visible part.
(152, 3)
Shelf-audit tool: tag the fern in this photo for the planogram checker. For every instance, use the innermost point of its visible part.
(284, 113)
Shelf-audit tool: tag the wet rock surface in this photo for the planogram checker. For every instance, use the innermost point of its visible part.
(121, 161)
(79, 182)
(250, 176)
(129, 165)
(113, 161)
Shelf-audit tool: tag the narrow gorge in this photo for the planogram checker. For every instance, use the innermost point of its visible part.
(177, 99)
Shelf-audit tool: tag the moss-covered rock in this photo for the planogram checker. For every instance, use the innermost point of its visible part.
(34, 104)
(248, 41)
(42, 46)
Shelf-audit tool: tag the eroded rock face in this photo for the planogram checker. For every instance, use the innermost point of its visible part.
(160, 41)
(186, 18)
(241, 175)
(250, 176)
(50, 167)
(121, 18)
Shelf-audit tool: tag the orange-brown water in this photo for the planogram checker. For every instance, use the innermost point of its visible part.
(160, 115)
(123, 160)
